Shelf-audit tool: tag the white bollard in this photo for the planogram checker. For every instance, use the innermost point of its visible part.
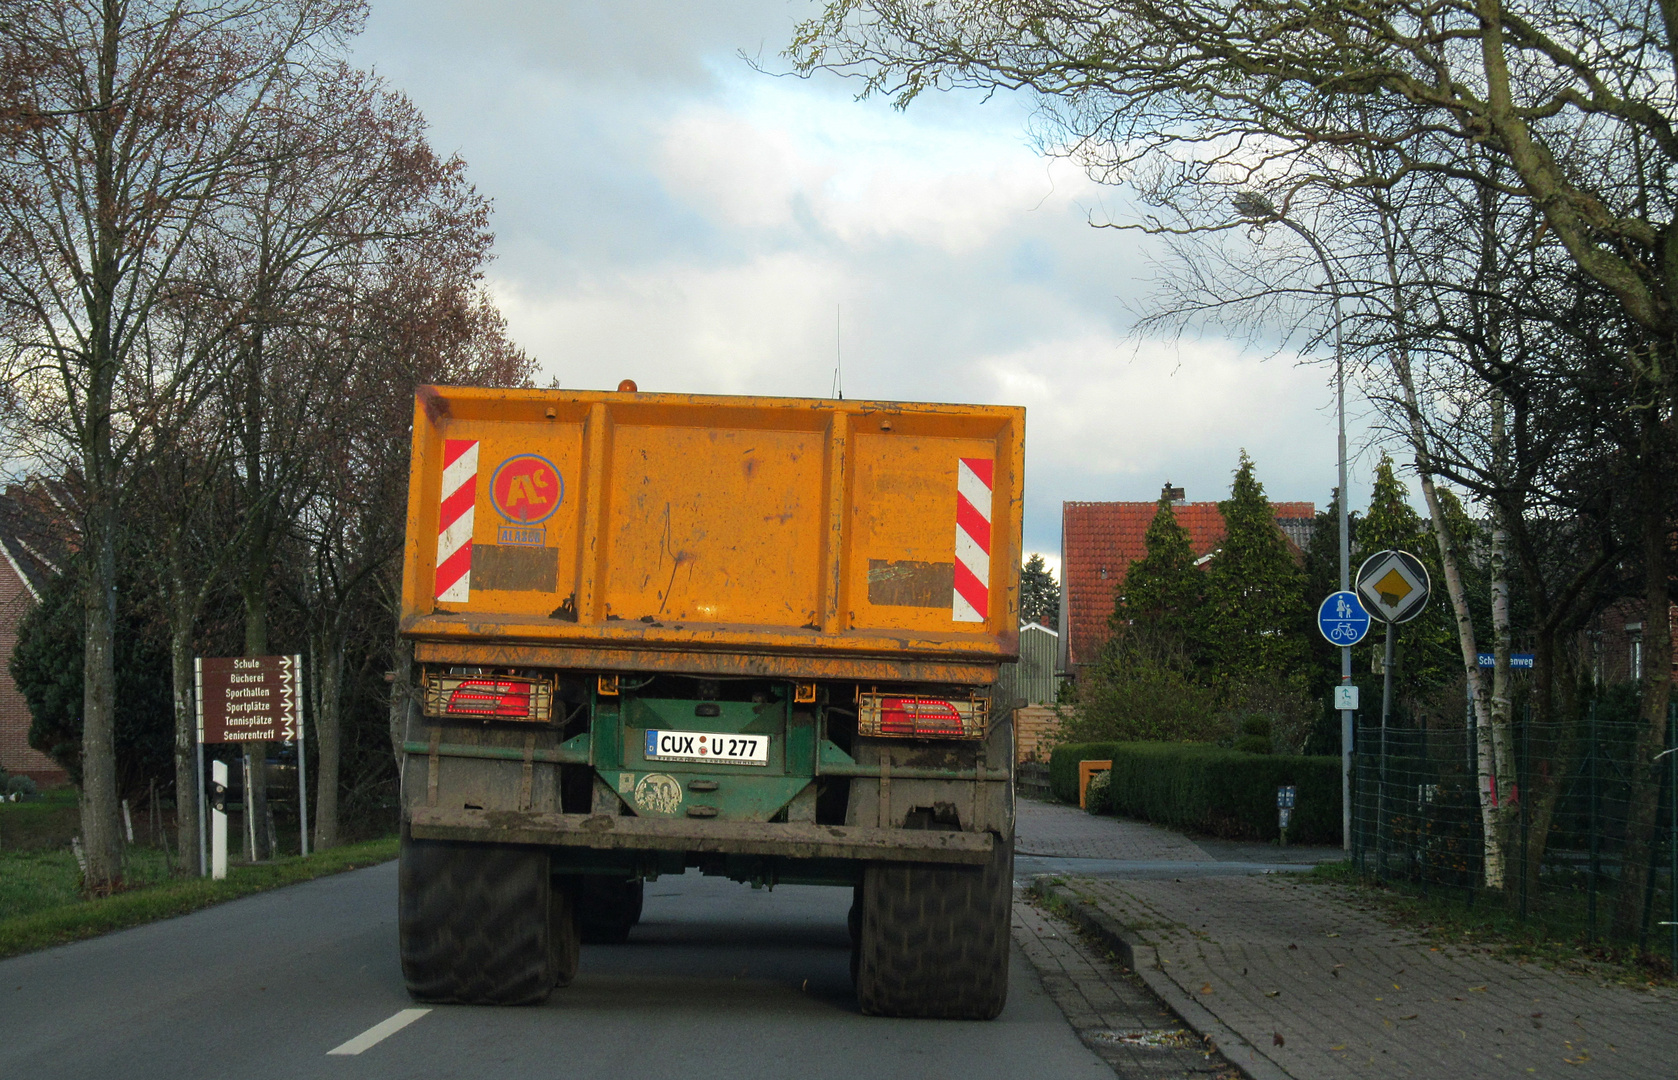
(218, 819)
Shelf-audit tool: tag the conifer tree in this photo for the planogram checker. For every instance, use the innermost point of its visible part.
(1255, 595)
(1427, 652)
(1039, 593)
(1160, 602)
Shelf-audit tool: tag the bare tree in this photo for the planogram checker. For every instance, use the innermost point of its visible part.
(1551, 116)
(131, 124)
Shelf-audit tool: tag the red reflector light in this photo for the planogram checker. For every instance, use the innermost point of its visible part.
(919, 716)
(491, 697)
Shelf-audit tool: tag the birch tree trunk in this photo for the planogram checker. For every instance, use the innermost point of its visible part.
(1497, 739)
(1480, 695)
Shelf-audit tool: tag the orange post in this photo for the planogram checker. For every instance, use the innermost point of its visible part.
(1087, 771)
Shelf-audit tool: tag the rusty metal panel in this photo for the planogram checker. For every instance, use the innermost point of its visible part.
(508, 568)
(906, 583)
(720, 661)
(793, 537)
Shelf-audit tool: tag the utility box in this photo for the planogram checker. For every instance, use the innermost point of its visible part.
(753, 636)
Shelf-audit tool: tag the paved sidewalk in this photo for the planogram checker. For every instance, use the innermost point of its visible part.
(1321, 989)
(1052, 829)
(1054, 839)
(1109, 1007)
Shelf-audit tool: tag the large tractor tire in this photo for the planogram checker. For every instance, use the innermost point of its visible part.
(475, 922)
(563, 937)
(607, 908)
(933, 940)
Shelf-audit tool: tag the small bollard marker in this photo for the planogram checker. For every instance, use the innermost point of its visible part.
(218, 819)
(1284, 808)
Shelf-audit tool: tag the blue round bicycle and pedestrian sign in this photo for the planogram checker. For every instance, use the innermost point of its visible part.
(1343, 619)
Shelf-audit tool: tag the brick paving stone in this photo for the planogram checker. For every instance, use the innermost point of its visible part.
(1042, 828)
(1351, 996)
(1108, 1006)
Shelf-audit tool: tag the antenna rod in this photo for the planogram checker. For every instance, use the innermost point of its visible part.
(838, 359)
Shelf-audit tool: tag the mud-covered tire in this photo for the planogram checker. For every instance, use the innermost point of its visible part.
(853, 924)
(474, 922)
(934, 939)
(607, 908)
(563, 937)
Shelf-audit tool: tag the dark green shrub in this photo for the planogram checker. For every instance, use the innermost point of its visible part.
(1253, 744)
(1226, 793)
(1098, 796)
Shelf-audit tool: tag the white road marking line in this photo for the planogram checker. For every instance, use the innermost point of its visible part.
(379, 1032)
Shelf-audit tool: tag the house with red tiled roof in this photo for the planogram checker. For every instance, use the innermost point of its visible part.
(1099, 541)
(35, 538)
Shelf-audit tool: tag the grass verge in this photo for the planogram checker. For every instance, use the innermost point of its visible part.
(70, 918)
(1489, 926)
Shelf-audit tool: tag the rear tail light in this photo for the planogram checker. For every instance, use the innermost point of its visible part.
(488, 697)
(918, 716)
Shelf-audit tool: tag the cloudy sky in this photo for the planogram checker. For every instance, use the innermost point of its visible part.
(665, 213)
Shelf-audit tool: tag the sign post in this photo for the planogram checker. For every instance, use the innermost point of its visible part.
(1394, 585)
(203, 823)
(1344, 622)
(252, 699)
(302, 761)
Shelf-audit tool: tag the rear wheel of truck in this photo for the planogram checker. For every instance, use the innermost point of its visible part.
(475, 922)
(607, 908)
(933, 940)
(563, 937)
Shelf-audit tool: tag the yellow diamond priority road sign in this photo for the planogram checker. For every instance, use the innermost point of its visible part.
(1393, 585)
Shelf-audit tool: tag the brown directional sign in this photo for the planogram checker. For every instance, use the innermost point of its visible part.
(249, 698)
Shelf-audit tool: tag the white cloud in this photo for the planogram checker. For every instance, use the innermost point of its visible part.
(736, 328)
(1123, 409)
(666, 214)
(771, 156)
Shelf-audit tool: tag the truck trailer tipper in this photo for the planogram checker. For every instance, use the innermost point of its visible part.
(753, 636)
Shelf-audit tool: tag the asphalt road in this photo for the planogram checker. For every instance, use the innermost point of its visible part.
(719, 980)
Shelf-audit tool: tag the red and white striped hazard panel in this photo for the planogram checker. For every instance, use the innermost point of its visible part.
(973, 497)
(454, 520)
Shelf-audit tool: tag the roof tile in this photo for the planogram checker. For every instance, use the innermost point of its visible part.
(1099, 541)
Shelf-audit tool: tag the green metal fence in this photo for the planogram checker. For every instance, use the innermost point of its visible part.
(1584, 860)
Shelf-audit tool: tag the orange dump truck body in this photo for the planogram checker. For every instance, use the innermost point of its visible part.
(780, 537)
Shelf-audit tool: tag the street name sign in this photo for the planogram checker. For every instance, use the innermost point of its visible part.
(249, 698)
(1393, 586)
(1343, 619)
(1516, 660)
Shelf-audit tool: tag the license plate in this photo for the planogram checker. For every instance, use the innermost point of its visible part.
(705, 746)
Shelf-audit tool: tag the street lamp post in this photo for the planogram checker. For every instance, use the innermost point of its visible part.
(1259, 210)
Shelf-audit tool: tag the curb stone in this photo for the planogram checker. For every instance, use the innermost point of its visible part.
(1143, 960)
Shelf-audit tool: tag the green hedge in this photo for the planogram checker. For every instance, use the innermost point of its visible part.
(1225, 793)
